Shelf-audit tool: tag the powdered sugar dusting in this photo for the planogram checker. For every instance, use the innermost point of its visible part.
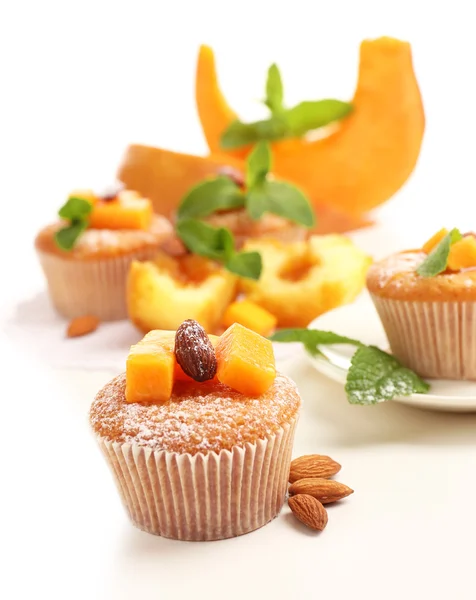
(200, 417)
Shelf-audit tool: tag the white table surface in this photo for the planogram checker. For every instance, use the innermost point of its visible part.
(83, 82)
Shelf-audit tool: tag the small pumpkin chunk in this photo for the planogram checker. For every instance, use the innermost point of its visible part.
(434, 240)
(127, 211)
(250, 315)
(462, 254)
(245, 361)
(150, 368)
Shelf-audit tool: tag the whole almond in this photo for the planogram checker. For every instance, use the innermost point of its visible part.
(324, 490)
(82, 326)
(309, 511)
(313, 465)
(194, 351)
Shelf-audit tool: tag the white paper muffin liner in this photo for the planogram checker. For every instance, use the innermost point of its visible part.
(435, 339)
(90, 287)
(206, 496)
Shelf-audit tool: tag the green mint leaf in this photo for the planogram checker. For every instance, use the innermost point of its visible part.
(310, 115)
(437, 261)
(245, 264)
(240, 134)
(66, 237)
(205, 240)
(258, 164)
(280, 198)
(375, 376)
(312, 338)
(75, 209)
(210, 196)
(274, 89)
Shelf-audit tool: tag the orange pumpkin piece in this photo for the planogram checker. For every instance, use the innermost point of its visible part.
(462, 254)
(165, 177)
(434, 240)
(213, 110)
(150, 368)
(245, 361)
(128, 211)
(250, 315)
(371, 153)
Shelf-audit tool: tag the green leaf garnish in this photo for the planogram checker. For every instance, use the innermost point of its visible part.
(240, 134)
(283, 122)
(210, 196)
(437, 261)
(261, 196)
(310, 115)
(75, 209)
(274, 89)
(66, 236)
(245, 264)
(258, 164)
(205, 240)
(218, 244)
(281, 199)
(374, 375)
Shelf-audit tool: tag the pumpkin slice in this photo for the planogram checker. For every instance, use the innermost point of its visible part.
(128, 211)
(213, 110)
(373, 151)
(434, 240)
(165, 177)
(250, 315)
(462, 254)
(245, 361)
(150, 369)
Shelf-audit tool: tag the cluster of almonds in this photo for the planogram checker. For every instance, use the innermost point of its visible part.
(311, 488)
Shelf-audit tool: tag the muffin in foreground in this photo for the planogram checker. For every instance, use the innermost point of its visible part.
(199, 460)
(426, 300)
(86, 256)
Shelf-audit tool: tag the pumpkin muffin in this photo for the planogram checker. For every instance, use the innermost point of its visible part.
(86, 256)
(430, 317)
(199, 460)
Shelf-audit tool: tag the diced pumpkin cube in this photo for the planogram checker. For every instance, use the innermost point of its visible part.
(150, 369)
(250, 315)
(128, 211)
(434, 240)
(462, 254)
(245, 361)
(88, 195)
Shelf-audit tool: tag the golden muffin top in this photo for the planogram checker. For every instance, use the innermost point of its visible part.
(199, 417)
(395, 277)
(108, 243)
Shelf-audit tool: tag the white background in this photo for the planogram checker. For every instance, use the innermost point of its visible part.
(81, 80)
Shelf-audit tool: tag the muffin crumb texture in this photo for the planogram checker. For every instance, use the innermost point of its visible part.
(199, 417)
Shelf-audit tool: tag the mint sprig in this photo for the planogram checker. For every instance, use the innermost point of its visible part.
(262, 195)
(76, 211)
(374, 375)
(437, 261)
(283, 122)
(217, 243)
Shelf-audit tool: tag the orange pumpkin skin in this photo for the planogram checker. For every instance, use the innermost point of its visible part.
(165, 177)
(213, 110)
(373, 151)
(376, 148)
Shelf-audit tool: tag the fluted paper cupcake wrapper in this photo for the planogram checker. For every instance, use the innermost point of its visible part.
(205, 496)
(90, 287)
(435, 339)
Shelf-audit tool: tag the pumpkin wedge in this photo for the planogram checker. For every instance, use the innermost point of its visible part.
(214, 113)
(165, 176)
(372, 152)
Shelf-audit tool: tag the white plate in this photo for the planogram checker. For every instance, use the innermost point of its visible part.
(360, 321)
